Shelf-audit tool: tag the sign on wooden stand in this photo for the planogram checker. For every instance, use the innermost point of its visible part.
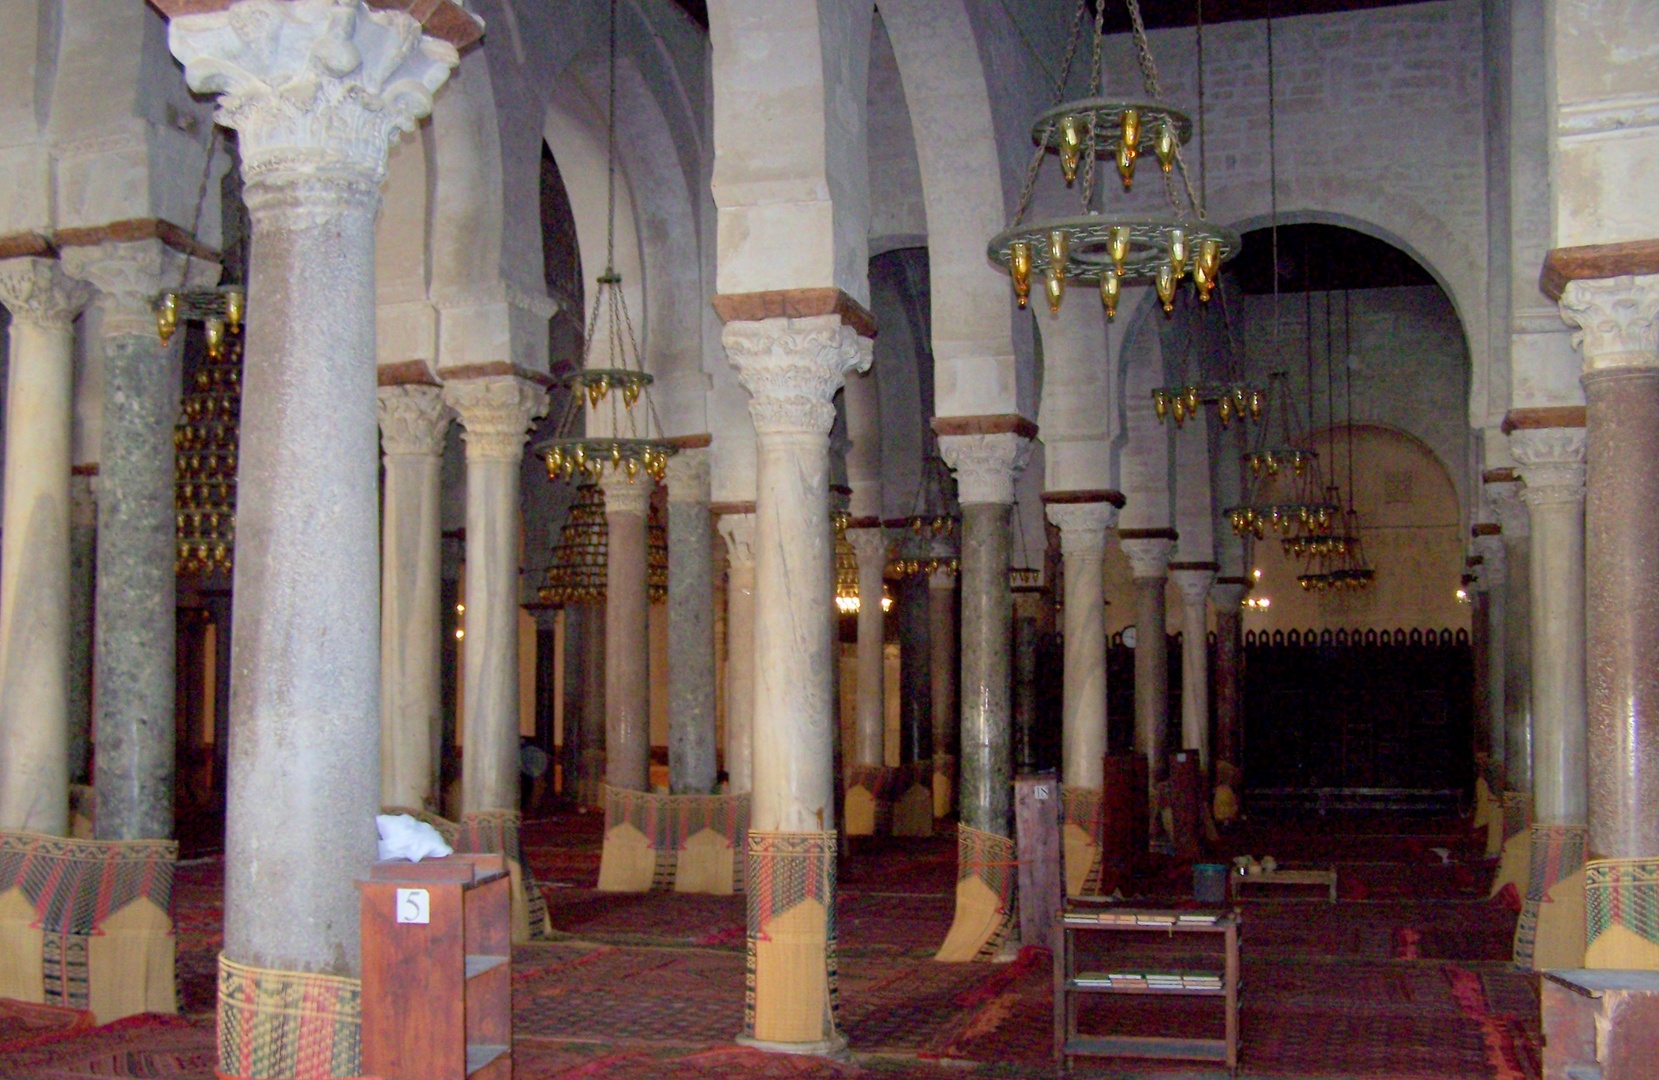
(1037, 847)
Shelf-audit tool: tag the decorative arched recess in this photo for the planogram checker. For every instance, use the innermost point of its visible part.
(1409, 226)
(963, 183)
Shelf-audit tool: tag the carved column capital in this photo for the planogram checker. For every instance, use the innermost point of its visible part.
(738, 530)
(688, 476)
(1195, 585)
(312, 86)
(792, 369)
(38, 292)
(1551, 464)
(495, 414)
(414, 420)
(1617, 320)
(985, 465)
(627, 496)
(870, 545)
(1505, 497)
(1148, 556)
(1493, 569)
(1083, 527)
(128, 276)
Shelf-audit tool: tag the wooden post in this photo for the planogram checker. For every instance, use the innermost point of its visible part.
(1037, 847)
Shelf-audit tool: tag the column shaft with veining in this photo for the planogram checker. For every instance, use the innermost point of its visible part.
(738, 530)
(691, 727)
(1083, 705)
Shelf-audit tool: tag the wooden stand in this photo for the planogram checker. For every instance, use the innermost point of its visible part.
(1069, 983)
(1037, 842)
(437, 969)
(1324, 878)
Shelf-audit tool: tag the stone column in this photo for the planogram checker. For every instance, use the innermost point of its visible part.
(133, 647)
(738, 530)
(83, 569)
(1516, 537)
(1618, 320)
(915, 670)
(1229, 694)
(1551, 464)
(34, 547)
(304, 85)
(1195, 580)
(941, 643)
(627, 642)
(870, 545)
(691, 731)
(414, 422)
(985, 468)
(1083, 704)
(495, 413)
(792, 369)
(1492, 583)
(590, 717)
(1149, 563)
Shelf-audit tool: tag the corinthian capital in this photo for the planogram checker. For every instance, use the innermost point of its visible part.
(688, 475)
(495, 414)
(1194, 585)
(1148, 555)
(1083, 527)
(792, 369)
(413, 420)
(738, 530)
(870, 545)
(1617, 320)
(1551, 463)
(128, 276)
(38, 292)
(627, 495)
(312, 85)
(985, 465)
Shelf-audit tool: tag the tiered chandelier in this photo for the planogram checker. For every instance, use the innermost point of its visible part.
(577, 573)
(205, 438)
(847, 599)
(632, 442)
(1094, 247)
(925, 547)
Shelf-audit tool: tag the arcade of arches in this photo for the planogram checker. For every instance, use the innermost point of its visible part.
(914, 541)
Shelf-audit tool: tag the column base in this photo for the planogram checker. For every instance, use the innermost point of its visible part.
(833, 1048)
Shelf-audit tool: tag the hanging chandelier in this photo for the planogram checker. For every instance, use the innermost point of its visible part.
(847, 599)
(1279, 458)
(1337, 561)
(1111, 249)
(616, 390)
(205, 439)
(926, 545)
(577, 573)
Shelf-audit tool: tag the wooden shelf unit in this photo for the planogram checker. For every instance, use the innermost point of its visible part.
(1069, 1043)
(437, 995)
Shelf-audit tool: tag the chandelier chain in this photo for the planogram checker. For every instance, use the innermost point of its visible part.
(610, 156)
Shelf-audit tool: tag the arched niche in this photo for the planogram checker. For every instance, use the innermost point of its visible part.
(1412, 534)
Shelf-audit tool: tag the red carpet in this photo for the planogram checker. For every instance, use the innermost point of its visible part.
(1411, 983)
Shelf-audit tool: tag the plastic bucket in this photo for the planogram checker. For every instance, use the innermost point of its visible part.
(1209, 883)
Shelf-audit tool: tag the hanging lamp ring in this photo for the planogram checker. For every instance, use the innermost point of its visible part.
(1088, 255)
(1104, 117)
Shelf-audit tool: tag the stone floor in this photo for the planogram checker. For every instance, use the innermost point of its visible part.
(1406, 976)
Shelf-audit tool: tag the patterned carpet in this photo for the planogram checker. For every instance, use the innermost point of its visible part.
(649, 987)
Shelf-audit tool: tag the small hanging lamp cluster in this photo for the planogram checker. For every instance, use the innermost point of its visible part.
(847, 599)
(610, 393)
(930, 529)
(1094, 247)
(1278, 460)
(1231, 400)
(204, 444)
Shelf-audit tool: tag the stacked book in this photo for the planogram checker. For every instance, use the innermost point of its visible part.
(1147, 980)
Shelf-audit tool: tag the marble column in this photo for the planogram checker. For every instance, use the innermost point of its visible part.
(1149, 563)
(1195, 582)
(303, 85)
(915, 670)
(1551, 464)
(1229, 691)
(792, 369)
(1083, 703)
(589, 718)
(986, 467)
(870, 545)
(83, 571)
(1618, 321)
(941, 643)
(1492, 582)
(691, 729)
(738, 530)
(495, 413)
(414, 422)
(133, 648)
(1504, 492)
(34, 546)
(627, 641)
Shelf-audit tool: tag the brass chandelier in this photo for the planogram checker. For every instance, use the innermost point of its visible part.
(577, 573)
(619, 388)
(928, 532)
(1112, 249)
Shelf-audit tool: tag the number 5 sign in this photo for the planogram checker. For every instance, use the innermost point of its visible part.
(414, 906)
